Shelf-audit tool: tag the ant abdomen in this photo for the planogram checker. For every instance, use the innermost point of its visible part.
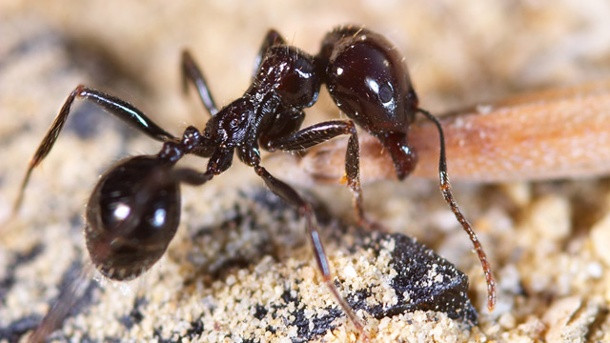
(132, 215)
(369, 82)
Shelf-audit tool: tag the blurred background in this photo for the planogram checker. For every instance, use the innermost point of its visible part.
(459, 53)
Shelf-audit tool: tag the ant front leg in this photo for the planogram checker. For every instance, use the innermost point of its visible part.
(271, 38)
(289, 195)
(115, 106)
(322, 132)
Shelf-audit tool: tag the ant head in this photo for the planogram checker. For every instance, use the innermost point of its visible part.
(369, 82)
(132, 215)
(291, 74)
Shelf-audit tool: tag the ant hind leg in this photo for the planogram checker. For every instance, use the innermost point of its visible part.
(115, 106)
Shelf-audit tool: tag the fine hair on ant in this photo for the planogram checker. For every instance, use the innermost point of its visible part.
(134, 210)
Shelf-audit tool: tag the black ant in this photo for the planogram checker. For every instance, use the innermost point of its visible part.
(134, 210)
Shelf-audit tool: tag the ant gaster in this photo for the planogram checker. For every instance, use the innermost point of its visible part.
(134, 210)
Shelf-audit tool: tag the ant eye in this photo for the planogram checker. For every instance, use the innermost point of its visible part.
(132, 215)
(386, 93)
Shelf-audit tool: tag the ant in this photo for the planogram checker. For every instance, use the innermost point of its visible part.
(134, 210)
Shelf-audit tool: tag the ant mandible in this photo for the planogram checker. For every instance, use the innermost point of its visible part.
(134, 210)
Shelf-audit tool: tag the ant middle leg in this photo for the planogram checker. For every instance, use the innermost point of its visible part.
(322, 132)
(289, 195)
(191, 72)
(113, 105)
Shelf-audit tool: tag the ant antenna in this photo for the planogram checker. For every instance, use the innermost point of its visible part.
(448, 195)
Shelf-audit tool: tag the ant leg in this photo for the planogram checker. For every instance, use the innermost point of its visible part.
(271, 38)
(286, 123)
(219, 162)
(289, 195)
(192, 73)
(70, 294)
(449, 198)
(115, 106)
(318, 133)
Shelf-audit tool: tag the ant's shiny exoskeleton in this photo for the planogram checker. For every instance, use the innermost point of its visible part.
(134, 211)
